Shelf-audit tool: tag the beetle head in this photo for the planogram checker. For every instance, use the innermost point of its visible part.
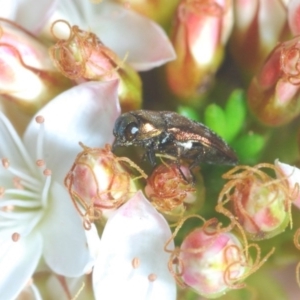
(126, 129)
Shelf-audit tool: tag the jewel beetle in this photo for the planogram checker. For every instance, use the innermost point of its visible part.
(166, 132)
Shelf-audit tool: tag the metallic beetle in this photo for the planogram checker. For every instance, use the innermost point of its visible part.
(165, 132)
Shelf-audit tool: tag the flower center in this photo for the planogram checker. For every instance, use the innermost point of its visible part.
(24, 187)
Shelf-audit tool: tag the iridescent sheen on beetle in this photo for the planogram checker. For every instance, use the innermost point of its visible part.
(168, 133)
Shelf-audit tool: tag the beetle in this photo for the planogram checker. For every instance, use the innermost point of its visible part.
(166, 132)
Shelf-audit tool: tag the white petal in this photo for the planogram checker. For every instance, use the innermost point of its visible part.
(11, 146)
(22, 12)
(138, 231)
(65, 244)
(18, 261)
(293, 177)
(123, 30)
(85, 113)
(126, 32)
(9, 9)
(93, 241)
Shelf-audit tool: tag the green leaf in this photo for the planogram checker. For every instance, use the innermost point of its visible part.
(214, 118)
(188, 112)
(235, 113)
(249, 147)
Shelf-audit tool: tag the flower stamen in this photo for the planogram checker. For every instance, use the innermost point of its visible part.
(2, 191)
(28, 182)
(5, 163)
(15, 236)
(152, 277)
(39, 149)
(46, 186)
(40, 162)
(136, 262)
(17, 183)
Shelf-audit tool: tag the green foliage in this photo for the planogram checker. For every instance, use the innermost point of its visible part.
(229, 121)
(214, 118)
(188, 112)
(249, 147)
(235, 112)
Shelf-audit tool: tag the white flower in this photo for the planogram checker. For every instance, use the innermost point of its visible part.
(126, 32)
(23, 13)
(37, 217)
(132, 263)
(293, 178)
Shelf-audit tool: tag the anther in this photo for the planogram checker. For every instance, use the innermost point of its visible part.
(40, 163)
(39, 119)
(17, 183)
(5, 163)
(136, 262)
(2, 191)
(47, 172)
(152, 277)
(15, 236)
(8, 208)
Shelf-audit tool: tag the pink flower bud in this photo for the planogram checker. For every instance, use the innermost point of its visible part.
(28, 76)
(199, 35)
(273, 95)
(257, 31)
(293, 9)
(260, 203)
(98, 181)
(212, 262)
(83, 57)
(168, 189)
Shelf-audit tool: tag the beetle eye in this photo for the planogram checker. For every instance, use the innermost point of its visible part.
(131, 131)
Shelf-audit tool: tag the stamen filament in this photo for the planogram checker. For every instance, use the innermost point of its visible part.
(22, 150)
(18, 215)
(40, 140)
(20, 203)
(45, 191)
(29, 182)
(22, 193)
(37, 217)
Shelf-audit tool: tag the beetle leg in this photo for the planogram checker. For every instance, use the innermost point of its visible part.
(151, 156)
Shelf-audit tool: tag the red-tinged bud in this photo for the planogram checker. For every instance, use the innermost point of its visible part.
(256, 32)
(200, 32)
(274, 93)
(97, 181)
(260, 203)
(170, 189)
(212, 262)
(28, 76)
(83, 57)
(293, 9)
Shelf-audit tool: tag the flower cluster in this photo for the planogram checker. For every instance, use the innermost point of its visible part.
(85, 217)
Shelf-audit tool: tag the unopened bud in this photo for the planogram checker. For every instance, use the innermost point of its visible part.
(28, 76)
(261, 204)
(83, 57)
(169, 187)
(212, 261)
(98, 181)
(274, 93)
(199, 35)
